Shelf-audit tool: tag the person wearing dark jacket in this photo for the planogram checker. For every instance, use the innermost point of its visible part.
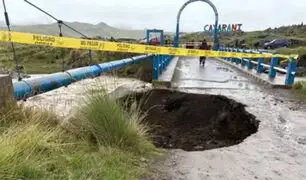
(203, 46)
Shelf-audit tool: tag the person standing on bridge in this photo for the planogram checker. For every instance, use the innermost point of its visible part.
(203, 46)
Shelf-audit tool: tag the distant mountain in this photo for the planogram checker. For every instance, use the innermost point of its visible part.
(102, 29)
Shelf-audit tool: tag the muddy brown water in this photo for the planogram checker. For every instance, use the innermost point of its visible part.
(194, 122)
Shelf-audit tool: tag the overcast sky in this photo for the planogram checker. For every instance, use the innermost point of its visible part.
(140, 14)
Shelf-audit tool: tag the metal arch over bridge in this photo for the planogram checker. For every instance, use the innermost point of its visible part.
(216, 39)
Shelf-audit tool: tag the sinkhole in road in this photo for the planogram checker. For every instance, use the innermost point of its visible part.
(193, 122)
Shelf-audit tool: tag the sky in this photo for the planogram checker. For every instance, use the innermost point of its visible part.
(161, 14)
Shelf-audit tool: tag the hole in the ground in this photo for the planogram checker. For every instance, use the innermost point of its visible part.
(194, 122)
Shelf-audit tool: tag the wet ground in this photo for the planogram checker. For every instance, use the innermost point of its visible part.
(276, 151)
(64, 101)
(189, 75)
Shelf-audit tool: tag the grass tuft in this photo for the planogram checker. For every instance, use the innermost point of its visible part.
(111, 126)
(299, 89)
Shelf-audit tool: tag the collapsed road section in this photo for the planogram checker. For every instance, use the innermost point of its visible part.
(193, 122)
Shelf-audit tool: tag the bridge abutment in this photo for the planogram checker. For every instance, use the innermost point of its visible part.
(6, 90)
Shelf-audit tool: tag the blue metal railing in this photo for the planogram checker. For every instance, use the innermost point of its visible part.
(273, 69)
(160, 63)
(31, 87)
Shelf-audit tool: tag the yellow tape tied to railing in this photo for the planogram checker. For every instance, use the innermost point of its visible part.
(78, 43)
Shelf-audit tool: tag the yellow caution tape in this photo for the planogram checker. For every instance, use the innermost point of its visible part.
(78, 43)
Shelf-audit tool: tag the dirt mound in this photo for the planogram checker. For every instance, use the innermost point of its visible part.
(194, 122)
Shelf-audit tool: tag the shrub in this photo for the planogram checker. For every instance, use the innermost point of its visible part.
(110, 126)
(40, 55)
(297, 85)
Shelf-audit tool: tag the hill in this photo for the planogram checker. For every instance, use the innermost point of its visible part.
(91, 30)
(296, 34)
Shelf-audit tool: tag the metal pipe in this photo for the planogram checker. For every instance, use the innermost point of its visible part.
(245, 59)
(265, 65)
(254, 62)
(280, 69)
(28, 88)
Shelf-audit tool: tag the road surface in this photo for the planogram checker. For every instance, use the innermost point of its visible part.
(277, 151)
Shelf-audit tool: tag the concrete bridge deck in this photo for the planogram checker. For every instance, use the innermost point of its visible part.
(213, 76)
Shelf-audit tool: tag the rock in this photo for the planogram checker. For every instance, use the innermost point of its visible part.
(142, 159)
(13, 74)
(301, 71)
(198, 148)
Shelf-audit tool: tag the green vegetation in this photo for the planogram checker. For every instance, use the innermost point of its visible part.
(44, 60)
(101, 141)
(299, 89)
(301, 60)
(296, 50)
(295, 34)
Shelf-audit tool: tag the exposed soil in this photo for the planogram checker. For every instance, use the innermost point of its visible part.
(142, 71)
(195, 122)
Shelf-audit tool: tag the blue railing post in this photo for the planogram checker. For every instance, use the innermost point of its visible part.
(272, 71)
(259, 65)
(161, 64)
(229, 58)
(155, 67)
(226, 50)
(243, 62)
(237, 59)
(232, 59)
(161, 61)
(291, 71)
(250, 64)
(165, 61)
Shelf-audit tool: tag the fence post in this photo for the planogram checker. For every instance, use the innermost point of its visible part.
(6, 91)
(291, 71)
(272, 71)
(259, 65)
(155, 67)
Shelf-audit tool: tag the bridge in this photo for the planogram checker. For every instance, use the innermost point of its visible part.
(164, 59)
(163, 65)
